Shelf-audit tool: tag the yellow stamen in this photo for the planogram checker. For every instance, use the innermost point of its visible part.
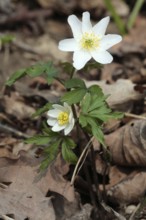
(90, 41)
(63, 118)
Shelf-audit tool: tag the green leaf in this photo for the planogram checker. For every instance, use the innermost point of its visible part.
(69, 142)
(82, 120)
(15, 76)
(50, 70)
(96, 130)
(68, 154)
(68, 67)
(95, 89)
(51, 152)
(85, 104)
(35, 70)
(40, 111)
(38, 140)
(74, 96)
(6, 38)
(75, 83)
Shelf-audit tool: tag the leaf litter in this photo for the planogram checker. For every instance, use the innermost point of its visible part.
(22, 194)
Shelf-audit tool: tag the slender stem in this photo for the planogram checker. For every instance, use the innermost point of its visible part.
(134, 13)
(120, 24)
(127, 114)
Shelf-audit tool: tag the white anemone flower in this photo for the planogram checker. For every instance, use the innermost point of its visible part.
(61, 118)
(89, 41)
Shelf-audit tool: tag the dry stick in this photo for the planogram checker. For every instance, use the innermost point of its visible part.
(76, 170)
(134, 116)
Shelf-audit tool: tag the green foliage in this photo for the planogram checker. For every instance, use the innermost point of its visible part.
(75, 83)
(38, 139)
(74, 96)
(50, 154)
(67, 153)
(7, 38)
(33, 71)
(40, 111)
(95, 111)
(68, 68)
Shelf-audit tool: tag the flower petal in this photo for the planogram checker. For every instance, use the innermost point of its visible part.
(51, 121)
(53, 113)
(86, 24)
(69, 127)
(57, 127)
(67, 107)
(76, 26)
(102, 57)
(100, 27)
(68, 45)
(80, 58)
(109, 40)
(59, 107)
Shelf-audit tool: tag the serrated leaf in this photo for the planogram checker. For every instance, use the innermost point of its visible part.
(15, 76)
(38, 140)
(75, 83)
(68, 67)
(74, 96)
(82, 120)
(96, 130)
(97, 102)
(69, 142)
(51, 152)
(35, 70)
(68, 155)
(95, 89)
(40, 111)
(50, 70)
(85, 104)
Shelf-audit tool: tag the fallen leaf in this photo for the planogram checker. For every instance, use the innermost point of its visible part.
(128, 144)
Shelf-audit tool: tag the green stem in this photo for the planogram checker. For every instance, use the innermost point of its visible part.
(134, 13)
(120, 24)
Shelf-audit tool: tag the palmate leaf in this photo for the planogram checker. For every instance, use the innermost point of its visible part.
(74, 96)
(68, 155)
(14, 77)
(33, 71)
(39, 140)
(40, 111)
(50, 154)
(69, 142)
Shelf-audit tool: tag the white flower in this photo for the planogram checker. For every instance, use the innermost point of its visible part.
(61, 118)
(89, 42)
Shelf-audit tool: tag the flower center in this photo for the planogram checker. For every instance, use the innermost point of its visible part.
(89, 41)
(63, 118)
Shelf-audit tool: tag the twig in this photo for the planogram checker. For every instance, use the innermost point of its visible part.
(80, 159)
(8, 129)
(134, 116)
(134, 212)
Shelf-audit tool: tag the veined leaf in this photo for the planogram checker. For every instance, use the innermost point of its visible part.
(82, 120)
(51, 152)
(85, 104)
(74, 96)
(38, 140)
(75, 83)
(68, 154)
(95, 89)
(69, 142)
(42, 110)
(15, 76)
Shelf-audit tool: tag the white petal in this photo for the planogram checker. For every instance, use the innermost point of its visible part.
(67, 107)
(76, 26)
(100, 27)
(51, 121)
(68, 45)
(109, 40)
(53, 113)
(80, 58)
(69, 127)
(57, 127)
(86, 24)
(59, 107)
(102, 57)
